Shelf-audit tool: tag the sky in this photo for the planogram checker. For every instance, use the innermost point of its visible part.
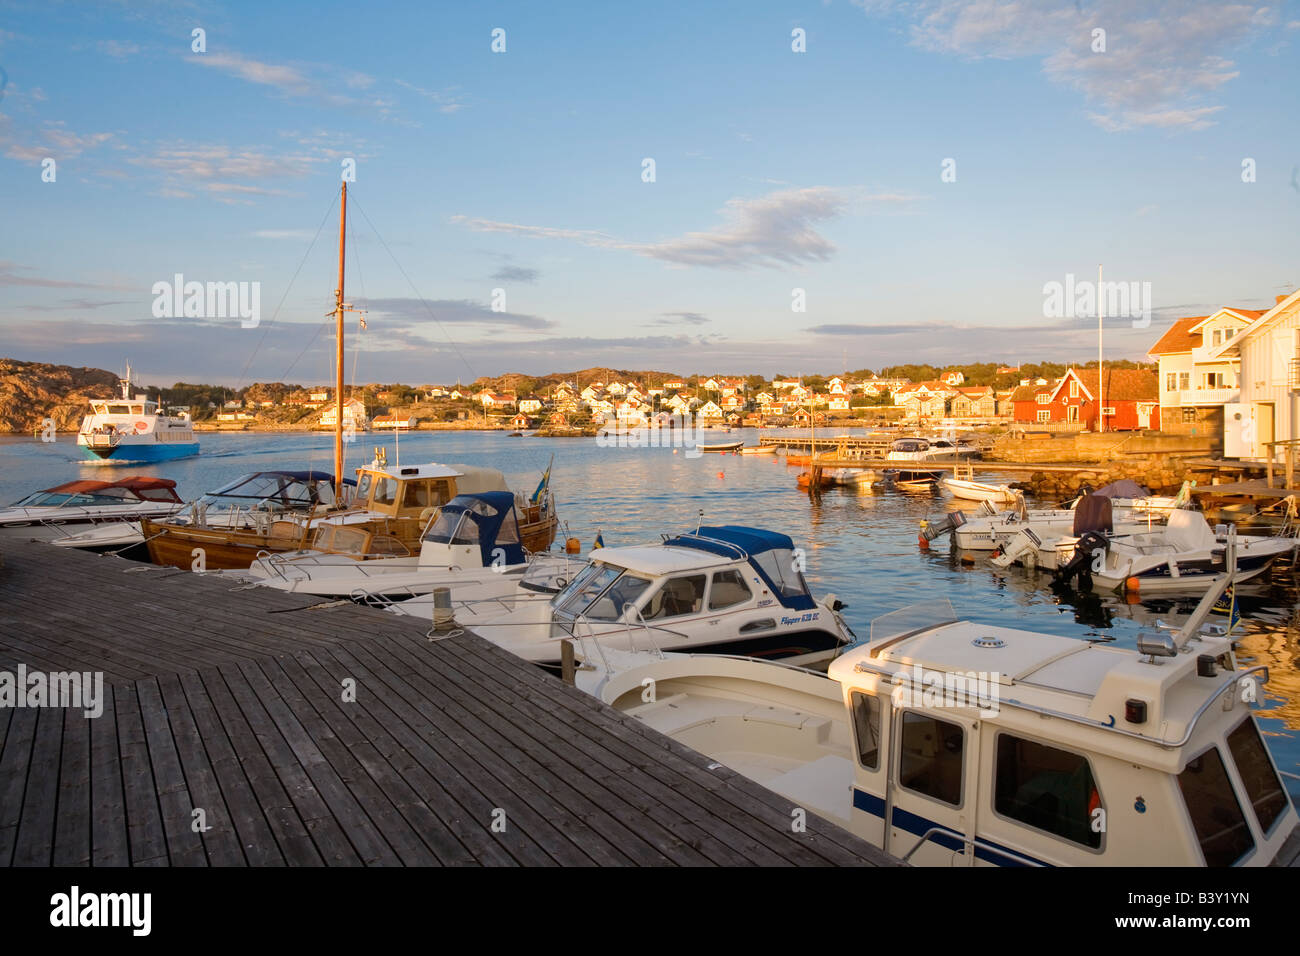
(717, 188)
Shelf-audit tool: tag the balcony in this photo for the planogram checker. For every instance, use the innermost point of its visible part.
(1206, 396)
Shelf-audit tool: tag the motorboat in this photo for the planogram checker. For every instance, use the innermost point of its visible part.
(968, 489)
(758, 450)
(992, 530)
(74, 506)
(724, 446)
(1049, 544)
(930, 450)
(278, 512)
(723, 589)
(1186, 555)
(473, 541)
(953, 743)
(132, 430)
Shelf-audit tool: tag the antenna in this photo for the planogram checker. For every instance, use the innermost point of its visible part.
(700, 522)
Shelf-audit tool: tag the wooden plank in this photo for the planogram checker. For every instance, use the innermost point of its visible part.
(14, 764)
(109, 842)
(72, 824)
(35, 841)
(184, 845)
(144, 825)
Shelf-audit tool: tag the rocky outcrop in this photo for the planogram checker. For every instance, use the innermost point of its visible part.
(30, 392)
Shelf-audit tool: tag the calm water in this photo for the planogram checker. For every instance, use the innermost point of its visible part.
(860, 546)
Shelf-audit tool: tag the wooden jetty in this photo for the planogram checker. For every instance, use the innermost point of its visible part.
(254, 727)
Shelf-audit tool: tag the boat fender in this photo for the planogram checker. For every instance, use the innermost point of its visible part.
(922, 541)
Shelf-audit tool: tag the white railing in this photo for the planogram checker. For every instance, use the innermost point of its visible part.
(1206, 396)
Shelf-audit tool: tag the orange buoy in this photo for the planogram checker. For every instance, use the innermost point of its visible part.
(572, 546)
(1132, 585)
(722, 474)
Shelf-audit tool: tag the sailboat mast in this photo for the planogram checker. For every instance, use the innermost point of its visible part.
(338, 351)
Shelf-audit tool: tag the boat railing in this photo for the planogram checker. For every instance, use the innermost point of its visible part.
(973, 842)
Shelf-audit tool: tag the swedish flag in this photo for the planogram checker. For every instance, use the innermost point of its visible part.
(600, 541)
(1227, 604)
(542, 485)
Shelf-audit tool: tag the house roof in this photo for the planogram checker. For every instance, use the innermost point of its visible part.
(1028, 393)
(1184, 335)
(1122, 384)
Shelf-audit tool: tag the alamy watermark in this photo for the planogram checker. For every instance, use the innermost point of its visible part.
(666, 431)
(75, 689)
(212, 300)
(922, 688)
(1075, 299)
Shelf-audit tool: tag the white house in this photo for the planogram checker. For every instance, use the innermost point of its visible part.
(1269, 351)
(530, 405)
(1195, 382)
(709, 411)
(354, 415)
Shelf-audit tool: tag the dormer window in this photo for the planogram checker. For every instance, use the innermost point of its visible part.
(1074, 388)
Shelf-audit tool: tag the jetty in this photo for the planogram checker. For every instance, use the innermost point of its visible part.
(251, 727)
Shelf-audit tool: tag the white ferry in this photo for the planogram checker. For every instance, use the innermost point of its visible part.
(133, 430)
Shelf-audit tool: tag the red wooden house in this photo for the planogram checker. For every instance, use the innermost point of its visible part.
(1132, 398)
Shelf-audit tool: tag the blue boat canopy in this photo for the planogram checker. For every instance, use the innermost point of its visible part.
(486, 519)
(770, 553)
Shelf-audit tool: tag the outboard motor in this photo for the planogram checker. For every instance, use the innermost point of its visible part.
(933, 529)
(1080, 566)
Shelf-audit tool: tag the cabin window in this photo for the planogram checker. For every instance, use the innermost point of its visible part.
(118, 410)
(416, 495)
(683, 595)
(729, 589)
(866, 728)
(1262, 784)
(137, 409)
(930, 756)
(626, 590)
(385, 491)
(1047, 789)
(363, 487)
(1216, 815)
(590, 581)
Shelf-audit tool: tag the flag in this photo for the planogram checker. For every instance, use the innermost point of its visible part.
(542, 485)
(362, 319)
(600, 541)
(1227, 604)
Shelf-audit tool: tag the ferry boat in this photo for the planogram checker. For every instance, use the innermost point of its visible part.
(717, 590)
(134, 430)
(950, 743)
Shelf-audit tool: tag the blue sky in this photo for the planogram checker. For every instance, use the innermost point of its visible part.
(522, 171)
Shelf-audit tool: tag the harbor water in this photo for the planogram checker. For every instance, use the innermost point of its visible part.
(862, 546)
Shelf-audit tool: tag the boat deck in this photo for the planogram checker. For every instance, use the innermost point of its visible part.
(236, 704)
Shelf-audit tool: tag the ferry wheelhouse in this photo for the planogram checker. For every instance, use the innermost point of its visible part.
(133, 430)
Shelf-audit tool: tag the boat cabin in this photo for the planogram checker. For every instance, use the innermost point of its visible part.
(479, 530)
(986, 745)
(744, 578)
(415, 491)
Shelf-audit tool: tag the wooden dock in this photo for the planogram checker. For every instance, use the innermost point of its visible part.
(253, 727)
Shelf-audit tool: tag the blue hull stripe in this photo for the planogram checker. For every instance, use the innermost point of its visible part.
(918, 825)
(144, 453)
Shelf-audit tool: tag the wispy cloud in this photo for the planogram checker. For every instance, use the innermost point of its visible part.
(446, 101)
(10, 276)
(516, 274)
(774, 230)
(117, 49)
(681, 318)
(414, 312)
(294, 234)
(1161, 59)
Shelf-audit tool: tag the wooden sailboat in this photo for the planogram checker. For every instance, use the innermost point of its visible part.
(300, 511)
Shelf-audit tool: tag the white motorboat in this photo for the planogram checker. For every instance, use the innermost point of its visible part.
(990, 530)
(60, 512)
(1186, 555)
(473, 541)
(952, 743)
(724, 589)
(969, 490)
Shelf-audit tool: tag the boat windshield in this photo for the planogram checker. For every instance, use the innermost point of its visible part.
(910, 444)
(109, 496)
(272, 491)
(912, 620)
(590, 583)
(782, 570)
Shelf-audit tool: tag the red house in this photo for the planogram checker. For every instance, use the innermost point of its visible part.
(1132, 398)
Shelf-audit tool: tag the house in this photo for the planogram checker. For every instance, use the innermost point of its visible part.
(1131, 396)
(320, 395)
(675, 383)
(924, 399)
(709, 412)
(837, 386)
(974, 402)
(804, 417)
(394, 421)
(732, 402)
(558, 420)
(763, 398)
(495, 400)
(799, 394)
(952, 378)
(1269, 352)
(354, 415)
(1029, 402)
(520, 422)
(530, 405)
(590, 394)
(1196, 382)
(781, 385)
(839, 403)
(617, 388)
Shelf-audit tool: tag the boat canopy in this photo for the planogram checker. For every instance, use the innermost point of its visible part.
(139, 486)
(770, 553)
(910, 444)
(1124, 488)
(487, 519)
(290, 489)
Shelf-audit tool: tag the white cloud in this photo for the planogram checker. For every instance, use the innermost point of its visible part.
(1162, 58)
(773, 230)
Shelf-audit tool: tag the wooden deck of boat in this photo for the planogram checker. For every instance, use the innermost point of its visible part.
(233, 703)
